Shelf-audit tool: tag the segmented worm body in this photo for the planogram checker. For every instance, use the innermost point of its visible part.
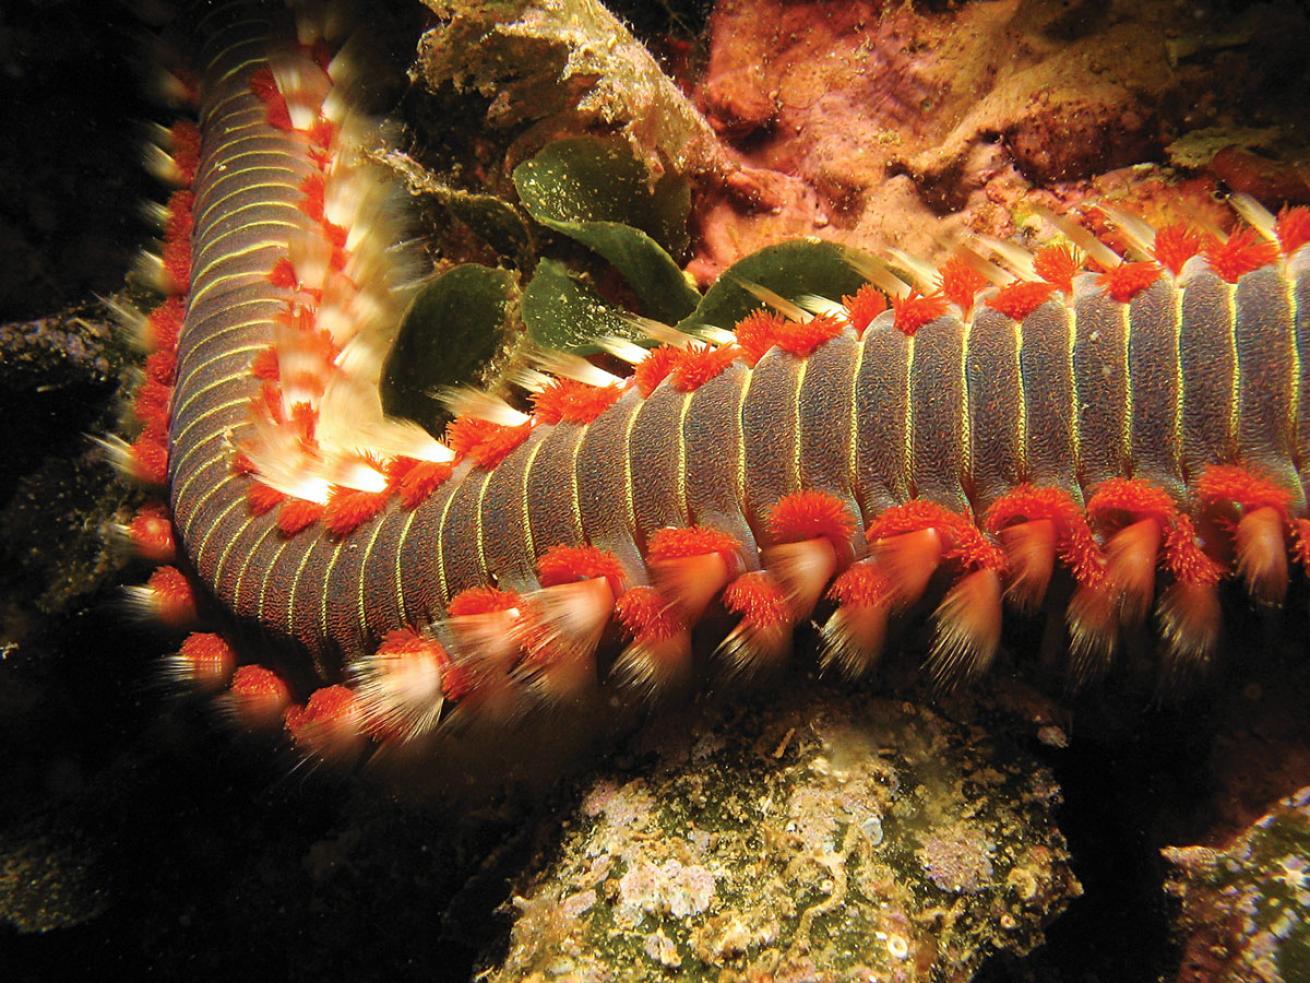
(1138, 426)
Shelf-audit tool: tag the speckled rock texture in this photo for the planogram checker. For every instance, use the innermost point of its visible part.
(1245, 914)
(816, 837)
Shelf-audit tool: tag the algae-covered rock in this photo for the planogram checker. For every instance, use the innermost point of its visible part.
(566, 66)
(823, 836)
(1246, 908)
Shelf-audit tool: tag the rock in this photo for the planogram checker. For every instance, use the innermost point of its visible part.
(823, 835)
(1245, 912)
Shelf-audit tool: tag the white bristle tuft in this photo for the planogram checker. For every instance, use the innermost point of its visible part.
(401, 692)
(659, 331)
(1093, 247)
(480, 405)
(1255, 215)
(821, 306)
(623, 349)
(119, 453)
(775, 300)
(530, 379)
(574, 367)
(149, 269)
(303, 85)
(924, 273)
(1011, 254)
(1140, 235)
(712, 335)
(878, 273)
(154, 214)
(985, 268)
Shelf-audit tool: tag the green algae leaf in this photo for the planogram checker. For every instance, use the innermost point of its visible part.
(494, 221)
(562, 311)
(806, 266)
(454, 329)
(596, 192)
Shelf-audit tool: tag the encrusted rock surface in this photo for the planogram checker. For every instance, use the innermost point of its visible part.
(1246, 907)
(819, 836)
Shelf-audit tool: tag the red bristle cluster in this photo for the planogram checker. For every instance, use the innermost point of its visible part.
(258, 686)
(482, 600)
(261, 498)
(961, 283)
(654, 369)
(801, 338)
(455, 682)
(676, 543)
(757, 332)
(1301, 543)
(174, 599)
(1243, 252)
(862, 585)
(1184, 557)
(1127, 280)
(1057, 265)
(264, 86)
(913, 311)
(1122, 501)
(209, 655)
(865, 305)
(313, 188)
(1018, 300)
(349, 508)
(150, 404)
(297, 515)
(646, 616)
(165, 323)
(570, 401)
(1293, 227)
(962, 539)
(265, 365)
(151, 533)
(696, 365)
(483, 442)
(150, 459)
(413, 481)
(1074, 542)
(184, 148)
(283, 274)
(809, 515)
(759, 600)
(1230, 485)
(569, 564)
(1176, 244)
(324, 706)
(162, 367)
